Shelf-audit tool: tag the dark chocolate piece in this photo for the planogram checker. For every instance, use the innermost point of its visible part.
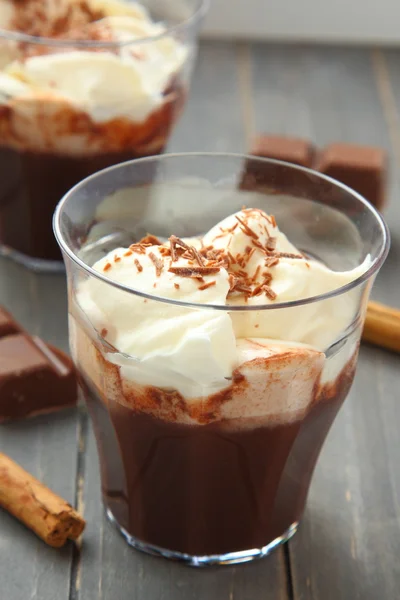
(277, 178)
(34, 377)
(292, 150)
(362, 168)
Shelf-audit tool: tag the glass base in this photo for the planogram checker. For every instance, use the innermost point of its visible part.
(231, 558)
(39, 265)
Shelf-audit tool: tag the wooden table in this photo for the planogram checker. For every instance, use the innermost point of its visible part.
(348, 545)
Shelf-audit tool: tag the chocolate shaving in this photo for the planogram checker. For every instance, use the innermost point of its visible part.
(272, 220)
(269, 292)
(232, 281)
(198, 257)
(271, 243)
(151, 240)
(207, 285)
(138, 248)
(173, 248)
(177, 286)
(103, 332)
(211, 255)
(267, 277)
(241, 287)
(179, 242)
(288, 255)
(107, 267)
(256, 273)
(251, 254)
(271, 261)
(138, 265)
(258, 245)
(194, 271)
(257, 290)
(164, 251)
(158, 263)
(246, 229)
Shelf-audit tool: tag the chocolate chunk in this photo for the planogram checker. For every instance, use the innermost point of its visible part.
(292, 150)
(34, 377)
(278, 179)
(362, 168)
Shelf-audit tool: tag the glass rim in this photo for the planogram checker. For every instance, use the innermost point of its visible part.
(372, 269)
(199, 12)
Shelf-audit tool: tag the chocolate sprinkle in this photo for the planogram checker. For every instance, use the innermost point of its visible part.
(194, 271)
(158, 263)
(207, 285)
(138, 265)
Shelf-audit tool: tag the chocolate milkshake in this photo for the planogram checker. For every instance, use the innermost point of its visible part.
(101, 82)
(210, 415)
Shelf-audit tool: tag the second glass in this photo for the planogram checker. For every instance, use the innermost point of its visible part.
(103, 91)
(210, 417)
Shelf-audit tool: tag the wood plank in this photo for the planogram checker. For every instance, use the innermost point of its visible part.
(108, 568)
(345, 548)
(45, 446)
(212, 120)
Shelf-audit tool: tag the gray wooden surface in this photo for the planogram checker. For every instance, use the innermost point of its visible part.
(348, 544)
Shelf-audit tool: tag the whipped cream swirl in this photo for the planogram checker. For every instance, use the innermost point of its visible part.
(244, 260)
(127, 80)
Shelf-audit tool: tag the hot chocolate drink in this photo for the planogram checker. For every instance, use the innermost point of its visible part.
(209, 417)
(101, 83)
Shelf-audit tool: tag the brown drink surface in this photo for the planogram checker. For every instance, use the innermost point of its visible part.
(209, 489)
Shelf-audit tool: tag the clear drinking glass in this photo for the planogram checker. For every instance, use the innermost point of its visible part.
(190, 469)
(70, 107)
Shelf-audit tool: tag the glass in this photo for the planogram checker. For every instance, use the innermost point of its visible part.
(94, 103)
(224, 479)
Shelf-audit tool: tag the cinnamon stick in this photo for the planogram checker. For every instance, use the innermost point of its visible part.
(40, 509)
(382, 326)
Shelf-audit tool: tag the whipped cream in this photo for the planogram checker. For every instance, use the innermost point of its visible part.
(196, 351)
(128, 80)
(318, 324)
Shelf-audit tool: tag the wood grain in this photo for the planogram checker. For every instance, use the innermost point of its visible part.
(212, 121)
(344, 548)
